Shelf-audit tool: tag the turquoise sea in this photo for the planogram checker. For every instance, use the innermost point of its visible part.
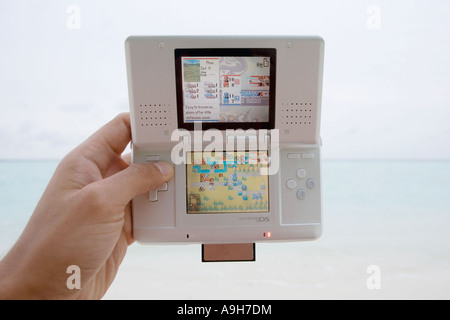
(393, 214)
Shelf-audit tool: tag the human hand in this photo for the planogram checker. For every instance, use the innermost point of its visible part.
(83, 219)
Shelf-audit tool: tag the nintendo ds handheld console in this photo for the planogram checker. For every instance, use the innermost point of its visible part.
(239, 117)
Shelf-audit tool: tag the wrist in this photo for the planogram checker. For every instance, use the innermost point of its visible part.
(10, 286)
(21, 279)
(15, 282)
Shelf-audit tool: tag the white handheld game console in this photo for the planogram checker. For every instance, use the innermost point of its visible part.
(264, 93)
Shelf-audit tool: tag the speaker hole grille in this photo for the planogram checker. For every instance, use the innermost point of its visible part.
(297, 113)
(154, 115)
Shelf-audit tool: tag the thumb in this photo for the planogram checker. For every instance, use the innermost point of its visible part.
(136, 179)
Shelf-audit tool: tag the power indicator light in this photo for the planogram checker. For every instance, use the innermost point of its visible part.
(267, 234)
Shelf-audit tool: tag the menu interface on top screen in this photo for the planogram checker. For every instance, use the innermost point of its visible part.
(225, 89)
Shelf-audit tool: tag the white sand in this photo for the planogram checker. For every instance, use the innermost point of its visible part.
(312, 270)
(380, 216)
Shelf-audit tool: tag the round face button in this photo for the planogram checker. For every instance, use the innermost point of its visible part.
(291, 184)
(311, 183)
(301, 194)
(301, 173)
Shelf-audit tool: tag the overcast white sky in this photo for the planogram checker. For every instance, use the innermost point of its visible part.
(386, 89)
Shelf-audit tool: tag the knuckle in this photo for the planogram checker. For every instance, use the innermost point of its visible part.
(141, 169)
(123, 117)
(94, 198)
(150, 173)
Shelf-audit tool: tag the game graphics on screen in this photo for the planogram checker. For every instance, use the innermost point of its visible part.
(227, 183)
(226, 89)
(243, 173)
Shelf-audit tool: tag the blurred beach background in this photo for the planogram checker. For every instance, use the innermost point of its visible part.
(385, 131)
(389, 214)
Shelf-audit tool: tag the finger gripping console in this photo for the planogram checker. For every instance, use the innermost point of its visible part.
(239, 117)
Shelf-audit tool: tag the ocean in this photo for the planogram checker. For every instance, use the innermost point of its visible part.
(393, 216)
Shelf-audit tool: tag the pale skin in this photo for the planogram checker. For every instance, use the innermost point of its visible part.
(83, 219)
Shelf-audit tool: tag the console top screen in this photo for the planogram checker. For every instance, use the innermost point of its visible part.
(226, 88)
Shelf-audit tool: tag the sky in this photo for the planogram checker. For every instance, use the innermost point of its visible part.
(386, 90)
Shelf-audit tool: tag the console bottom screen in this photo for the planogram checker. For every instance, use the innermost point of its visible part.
(227, 183)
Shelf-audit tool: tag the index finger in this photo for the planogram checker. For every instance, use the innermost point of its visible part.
(108, 142)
